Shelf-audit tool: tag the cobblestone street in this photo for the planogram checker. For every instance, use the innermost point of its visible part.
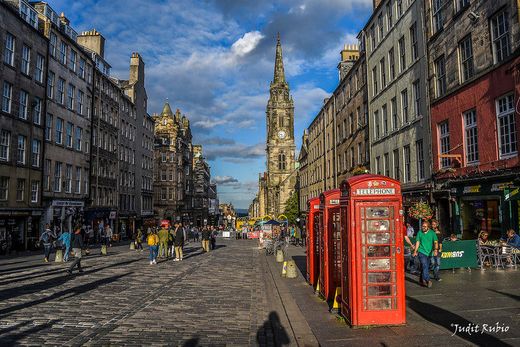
(207, 299)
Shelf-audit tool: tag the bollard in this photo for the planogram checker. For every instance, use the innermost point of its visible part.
(104, 249)
(284, 269)
(291, 269)
(279, 256)
(337, 299)
(132, 245)
(59, 256)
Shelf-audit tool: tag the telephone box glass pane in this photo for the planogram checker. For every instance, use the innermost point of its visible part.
(380, 290)
(378, 212)
(379, 304)
(379, 264)
(378, 225)
(336, 247)
(378, 251)
(379, 238)
(379, 277)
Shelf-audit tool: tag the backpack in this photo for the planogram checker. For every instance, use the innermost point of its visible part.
(46, 238)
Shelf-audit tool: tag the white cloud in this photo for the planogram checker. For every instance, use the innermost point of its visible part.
(246, 43)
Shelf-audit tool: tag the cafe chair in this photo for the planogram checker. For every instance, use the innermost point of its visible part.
(506, 256)
(487, 254)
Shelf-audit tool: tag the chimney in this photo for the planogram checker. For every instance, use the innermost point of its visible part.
(64, 20)
(349, 55)
(93, 41)
(136, 68)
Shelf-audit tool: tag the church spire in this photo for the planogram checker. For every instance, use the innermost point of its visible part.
(279, 74)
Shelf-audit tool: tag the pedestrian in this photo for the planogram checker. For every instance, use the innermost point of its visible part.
(65, 239)
(180, 234)
(206, 235)
(425, 245)
(436, 259)
(213, 240)
(412, 262)
(46, 237)
(77, 246)
(163, 242)
(138, 240)
(90, 237)
(153, 242)
(108, 234)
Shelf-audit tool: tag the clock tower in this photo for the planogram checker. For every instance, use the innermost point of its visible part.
(281, 175)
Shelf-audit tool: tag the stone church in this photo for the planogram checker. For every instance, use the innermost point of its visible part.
(277, 184)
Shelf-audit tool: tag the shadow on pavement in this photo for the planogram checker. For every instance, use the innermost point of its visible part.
(29, 276)
(448, 320)
(272, 332)
(193, 342)
(11, 339)
(73, 291)
(512, 296)
(13, 270)
(301, 264)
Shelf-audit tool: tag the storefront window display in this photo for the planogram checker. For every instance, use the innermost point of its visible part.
(479, 215)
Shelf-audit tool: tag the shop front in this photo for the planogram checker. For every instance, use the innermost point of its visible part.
(97, 218)
(64, 215)
(19, 230)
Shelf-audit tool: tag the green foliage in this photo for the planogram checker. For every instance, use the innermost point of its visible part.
(291, 209)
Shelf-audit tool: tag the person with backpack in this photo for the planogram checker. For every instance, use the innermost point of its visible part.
(65, 239)
(77, 246)
(180, 234)
(46, 238)
(153, 245)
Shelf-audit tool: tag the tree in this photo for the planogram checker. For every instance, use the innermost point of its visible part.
(291, 208)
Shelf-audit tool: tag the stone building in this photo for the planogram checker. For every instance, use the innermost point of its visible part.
(213, 210)
(398, 111)
(173, 180)
(201, 187)
(23, 52)
(68, 121)
(474, 74)
(103, 203)
(280, 178)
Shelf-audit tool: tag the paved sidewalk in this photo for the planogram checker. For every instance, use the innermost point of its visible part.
(463, 298)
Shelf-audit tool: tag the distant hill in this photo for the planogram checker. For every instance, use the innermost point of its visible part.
(241, 212)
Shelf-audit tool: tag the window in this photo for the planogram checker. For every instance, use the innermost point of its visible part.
(22, 144)
(46, 174)
(4, 188)
(48, 127)
(63, 53)
(7, 96)
(77, 181)
(376, 123)
(37, 110)
(78, 135)
(59, 131)
(404, 105)
(402, 54)
(383, 72)
(395, 120)
(396, 164)
(50, 85)
(23, 109)
(20, 189)
(9, 49)
(386, 162)
(471, 137)
(85, 181)
(35, 191)
(35, 155)
(26, 59)
(389, 19)
(466, 58)
(413, 43)
(40, 65)
(163, 193)
(163, 157)
(351, 120)
(81, 71)
(460, 4)
(69, 131)
(380, 26)
(506, 125)
(60, 97)
(72, 60)
(281, 161)
(71, 90)
(407, 164)
(438, 21)
(444, 139)
(417, 98)
(374, 81)
(500, 37)
(352, 159)
(440, 76)
(391, 62)
(378, 165)
(53, 41)
(385, 120)
(68, 178)
(89, 102)
(420, 159)
(81, 97)
(373, 37)
(5, 142)
(399, 8)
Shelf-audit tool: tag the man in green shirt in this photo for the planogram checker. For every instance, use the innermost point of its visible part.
(426, 245)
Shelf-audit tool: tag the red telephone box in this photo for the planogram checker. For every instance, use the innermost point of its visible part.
(372, 278)
(330, 250)
(313, 251)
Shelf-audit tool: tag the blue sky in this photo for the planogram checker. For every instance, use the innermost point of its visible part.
(214, 60)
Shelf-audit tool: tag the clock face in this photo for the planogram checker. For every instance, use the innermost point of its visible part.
(281, 134)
